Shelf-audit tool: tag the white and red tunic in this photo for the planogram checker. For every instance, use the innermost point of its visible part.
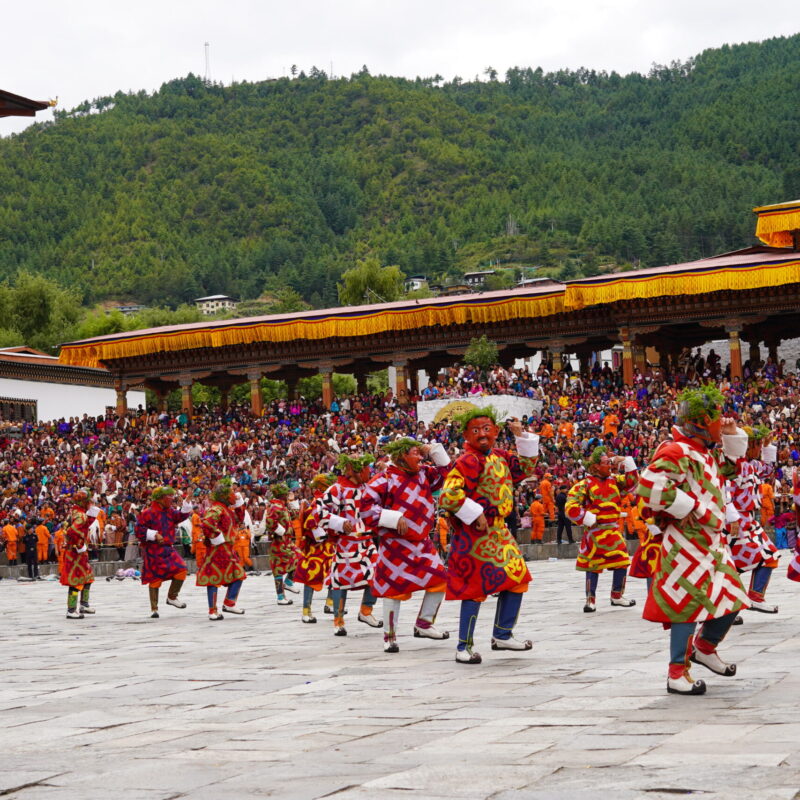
(408, 563)
(684, 486)
(354, 560)
(752, 546)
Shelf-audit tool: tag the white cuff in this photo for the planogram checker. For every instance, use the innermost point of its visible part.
(528, 445)
(239, 501)
(469, 511)
(769, 453)
(682, 506)
(151, 535)
(318, 534)
(92, 511)
(336, 523)
(630, 464)
(734, 445)
(217, 539)
(82, 549)
(589, 519)
(390, 519)
(654, 529)
(280, 530)
(187, 507)
(439, 455)
(731, 514)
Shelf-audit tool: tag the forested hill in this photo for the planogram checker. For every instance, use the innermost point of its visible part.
(201, 189)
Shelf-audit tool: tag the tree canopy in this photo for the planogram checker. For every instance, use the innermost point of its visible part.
(201, 188)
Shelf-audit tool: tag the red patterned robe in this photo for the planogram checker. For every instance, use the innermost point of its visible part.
(75, 567)
(793, 573)
(312, 563)
(596, 503)
(752, 547)
(281, 535)
(160, 562)
(684, 486)
(222, 565)
(354, 558)
(484, 562)
(407, 563)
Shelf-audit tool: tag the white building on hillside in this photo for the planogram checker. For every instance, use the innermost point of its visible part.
(215, 303)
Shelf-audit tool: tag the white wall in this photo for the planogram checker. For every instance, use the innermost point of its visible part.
(56, 400)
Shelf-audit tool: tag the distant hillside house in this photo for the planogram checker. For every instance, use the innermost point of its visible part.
(416, 282)
(476, 280)
(126, 309)
(215, 303)
(528, 282)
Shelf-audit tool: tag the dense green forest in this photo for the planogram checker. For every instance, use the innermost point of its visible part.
(285, 184)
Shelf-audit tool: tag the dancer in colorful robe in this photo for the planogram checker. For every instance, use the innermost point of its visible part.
(76, 572)
(281, 549)
(339, 515)
(399, 504)
(484, 558)
(751, 548)
(314, 552)
(644, 563)
(222, 566)
(596, 503)
(696, 579)
(156, 529)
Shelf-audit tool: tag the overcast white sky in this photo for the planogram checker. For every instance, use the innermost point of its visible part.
(83, 49)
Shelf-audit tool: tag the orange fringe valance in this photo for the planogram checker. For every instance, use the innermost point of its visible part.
(337, 323)
(687, 282)
(776, 223)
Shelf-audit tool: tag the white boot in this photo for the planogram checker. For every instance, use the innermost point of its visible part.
(468, 656)
(232, 609)
(87, 609)
(74, 614)
(511, 644)
(589, 606)
(685, 685)
(626, 602)
(175, 601)
(214, 615)
(763, 607)
(430, 633)
(369, 619)
(713, 662)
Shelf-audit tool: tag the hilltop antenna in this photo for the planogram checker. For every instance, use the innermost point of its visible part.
(207, 48)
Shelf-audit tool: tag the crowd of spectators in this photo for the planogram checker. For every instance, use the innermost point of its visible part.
(120, 460)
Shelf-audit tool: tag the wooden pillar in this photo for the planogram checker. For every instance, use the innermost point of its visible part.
(122, 399)
(755, 354)
(413, 379)
(161, 402)
(772, 348)
(256, 398)
(186, 395)
(639, 358)
(735, 351)
(401, 387)
(291, 388)
(585, 360)
(224, 397)
(627, 356)
(327, 386)
(361, 382)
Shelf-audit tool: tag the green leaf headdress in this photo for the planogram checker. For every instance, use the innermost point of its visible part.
(462, 420)
(161, 491)
(279, 490)
(354, 463)
(399, 447)
(694, 404)
(222, 490)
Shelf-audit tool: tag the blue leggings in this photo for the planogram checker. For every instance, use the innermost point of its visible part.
(505, 618)
(230, 595)
(617, 581)
(713, 631)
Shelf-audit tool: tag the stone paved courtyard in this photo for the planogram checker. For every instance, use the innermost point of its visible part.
(263, 706)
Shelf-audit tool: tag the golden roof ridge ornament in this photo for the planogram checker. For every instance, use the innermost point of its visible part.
(778, 225)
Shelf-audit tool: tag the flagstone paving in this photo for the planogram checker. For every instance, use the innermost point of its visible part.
(263, 706)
